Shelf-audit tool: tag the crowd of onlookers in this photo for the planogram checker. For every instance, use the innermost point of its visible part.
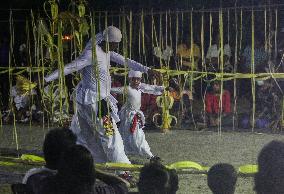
(237, 103)
(70, 169)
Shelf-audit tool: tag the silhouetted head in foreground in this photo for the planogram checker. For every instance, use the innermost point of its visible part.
(157, 179)
(270, 176)
(222, 179)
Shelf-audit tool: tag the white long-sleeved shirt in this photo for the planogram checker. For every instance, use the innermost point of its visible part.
(134, 95)
(90, 86)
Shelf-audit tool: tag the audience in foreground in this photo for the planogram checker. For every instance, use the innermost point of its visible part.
(70, 169)
(222, 179)
(270, 176)
(155, 178)
(55, 143)
(76, 175)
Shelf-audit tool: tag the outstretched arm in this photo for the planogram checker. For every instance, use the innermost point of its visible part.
(117, 58)
(117, 90)
(151, 89)
(79, 63)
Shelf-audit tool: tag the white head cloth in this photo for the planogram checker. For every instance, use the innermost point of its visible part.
(112, 34)
(227, 50)
(213, 51)
(133, 73)
(260, 82)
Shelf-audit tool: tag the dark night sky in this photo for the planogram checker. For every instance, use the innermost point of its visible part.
(138, 4)
(115, 5)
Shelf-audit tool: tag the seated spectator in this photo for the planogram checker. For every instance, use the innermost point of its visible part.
(212, 59)
(213, 56)
(183, 98)
(186, 54)
(22, 97)
(116, 81)
(270, 176)
(212, 106)
(174, 92)
(260, 58)
(157, 179)
(55, 142)
(149, 108)
(77, 175)
(165, 54)
(227, 59)
(222, 179)
(260, 63)
(268, 105)
(187, 98)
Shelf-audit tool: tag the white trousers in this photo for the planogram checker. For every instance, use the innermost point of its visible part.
(92, 134)
(135, 143)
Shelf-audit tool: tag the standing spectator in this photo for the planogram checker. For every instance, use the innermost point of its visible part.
(270, 176)
(222, 179)
(55, 142)
(212, 104)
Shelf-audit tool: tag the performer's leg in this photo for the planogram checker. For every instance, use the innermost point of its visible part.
(140, 144)
(86, 137)
(101, 135)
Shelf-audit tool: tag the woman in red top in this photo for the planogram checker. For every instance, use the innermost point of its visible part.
(212, 104)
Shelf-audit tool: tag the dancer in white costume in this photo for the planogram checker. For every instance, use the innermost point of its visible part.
(132, 118)
(95, 120)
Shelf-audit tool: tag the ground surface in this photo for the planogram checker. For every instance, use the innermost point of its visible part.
(204, 147)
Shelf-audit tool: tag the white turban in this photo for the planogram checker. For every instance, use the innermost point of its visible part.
(112, 34)
(260, 82)
(133, 73)
(212, 52)
(227, 50)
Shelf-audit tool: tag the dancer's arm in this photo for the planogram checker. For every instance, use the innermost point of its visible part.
(117, 90)
(117, 58)
(79, 63)
(151, 89)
